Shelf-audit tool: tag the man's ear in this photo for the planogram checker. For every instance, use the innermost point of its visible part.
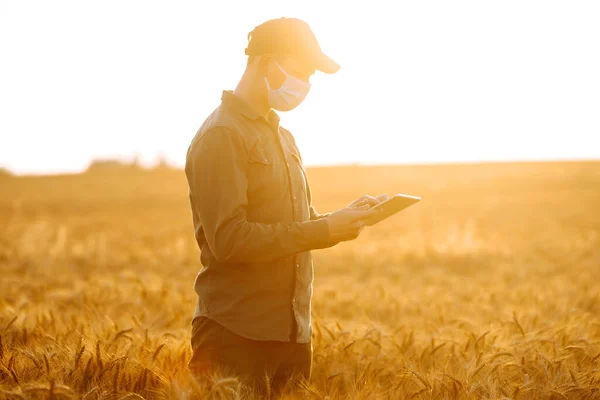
(258, 65)
(263, 62)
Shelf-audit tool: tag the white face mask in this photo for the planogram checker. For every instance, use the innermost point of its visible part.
(291, 93)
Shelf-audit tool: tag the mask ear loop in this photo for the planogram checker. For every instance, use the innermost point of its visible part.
(287, 76)
(281, 69)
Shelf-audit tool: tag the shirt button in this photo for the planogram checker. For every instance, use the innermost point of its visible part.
(294, 301)
(294, 197)
(297, 265)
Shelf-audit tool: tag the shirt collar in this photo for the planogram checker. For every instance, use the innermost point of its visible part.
(240, 106)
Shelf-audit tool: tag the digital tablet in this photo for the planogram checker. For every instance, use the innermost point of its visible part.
(391, 206)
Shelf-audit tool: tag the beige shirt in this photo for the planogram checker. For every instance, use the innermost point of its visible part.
(254, 224)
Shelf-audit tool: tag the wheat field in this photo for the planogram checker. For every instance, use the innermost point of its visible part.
(489, 288)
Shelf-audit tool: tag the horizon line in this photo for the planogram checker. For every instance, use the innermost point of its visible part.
(153, 168)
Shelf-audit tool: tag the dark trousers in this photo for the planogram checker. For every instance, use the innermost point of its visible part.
(216, 348)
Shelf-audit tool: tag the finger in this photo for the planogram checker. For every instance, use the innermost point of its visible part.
(362, 200)
(372, 201)
(362, 211)
(383, 197)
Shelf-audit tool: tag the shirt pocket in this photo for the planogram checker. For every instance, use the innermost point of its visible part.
(258, 155)
(261, 174)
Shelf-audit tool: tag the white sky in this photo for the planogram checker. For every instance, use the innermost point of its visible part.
(421, 81)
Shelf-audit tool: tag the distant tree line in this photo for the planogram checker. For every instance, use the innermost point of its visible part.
(116, 165)
(5, 172)
(110, 165)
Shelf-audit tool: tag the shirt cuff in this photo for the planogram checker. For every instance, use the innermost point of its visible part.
(318, 231)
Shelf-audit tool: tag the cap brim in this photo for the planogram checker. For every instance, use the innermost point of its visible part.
(326, 64)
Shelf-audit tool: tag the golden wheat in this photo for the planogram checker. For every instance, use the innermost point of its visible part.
(489, 288)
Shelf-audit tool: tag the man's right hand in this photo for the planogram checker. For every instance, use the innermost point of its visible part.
(347, 223)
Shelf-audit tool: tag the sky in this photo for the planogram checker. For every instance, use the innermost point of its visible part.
(421, 81)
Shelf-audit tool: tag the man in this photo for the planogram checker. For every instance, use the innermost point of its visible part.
(253, 216)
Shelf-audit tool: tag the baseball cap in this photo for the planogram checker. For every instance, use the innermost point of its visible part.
(289, 36)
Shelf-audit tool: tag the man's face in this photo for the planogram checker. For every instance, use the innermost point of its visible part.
(293, 65)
